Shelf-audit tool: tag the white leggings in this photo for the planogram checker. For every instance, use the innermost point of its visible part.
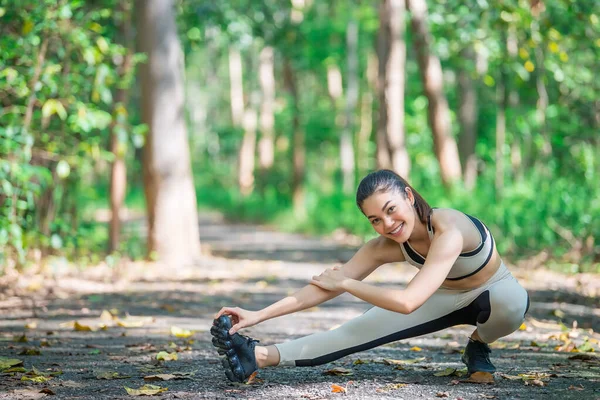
(497, 308)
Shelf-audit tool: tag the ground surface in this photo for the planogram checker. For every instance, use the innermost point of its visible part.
(253, 267)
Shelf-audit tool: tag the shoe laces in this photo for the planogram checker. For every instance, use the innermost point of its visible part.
(481, 349)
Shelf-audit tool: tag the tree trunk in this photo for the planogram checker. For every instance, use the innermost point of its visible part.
(266, 147)
(118, 142)
(246, 155)
(346, 138)
(236, 88)
(467, 116)
(173, 235)
(392, 87)
(366, 116)
(298, 145)
(433, 85)
(383, 49)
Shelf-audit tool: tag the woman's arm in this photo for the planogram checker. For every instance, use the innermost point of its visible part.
(445, 249)
(374, 253)
(367, 259)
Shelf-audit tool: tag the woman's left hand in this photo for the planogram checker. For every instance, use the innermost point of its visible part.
(331, 279)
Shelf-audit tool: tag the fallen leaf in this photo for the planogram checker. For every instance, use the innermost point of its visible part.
(36, 379)
(21, 339)
(252, 378)
(168, 308)
(48, 392)
(82, 328)
(30, 351)
(511, 377)
(359, 361)
(14, 370)
(578, 388)
(146, 390)
(442, 394)
(31, 325)
(559, 314)
(338, 371)
(338, 389)
(447, 372)
(535, 382)
(181, 333)
(523, 327)
(416, 348)
(453, 382)
(391, 386)
(94, 352)
(6, 363)
(585, 357)
(389, 361)
(487, 396)
(480, 377)
(109, 375)
(168, 377)
(163, 355)
(130, 324)
(106, 316)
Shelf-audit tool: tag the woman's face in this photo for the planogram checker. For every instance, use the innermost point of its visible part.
(391, 214)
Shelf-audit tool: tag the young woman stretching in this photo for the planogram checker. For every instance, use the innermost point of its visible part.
(461, 280)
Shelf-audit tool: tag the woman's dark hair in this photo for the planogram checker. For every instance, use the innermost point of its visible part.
(385, 180)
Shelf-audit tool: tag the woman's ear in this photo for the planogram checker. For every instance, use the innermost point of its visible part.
(410, 196)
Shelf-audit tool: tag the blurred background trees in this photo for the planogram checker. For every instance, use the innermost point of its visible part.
(491, 109)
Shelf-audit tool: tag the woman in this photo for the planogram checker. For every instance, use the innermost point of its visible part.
(461, 280)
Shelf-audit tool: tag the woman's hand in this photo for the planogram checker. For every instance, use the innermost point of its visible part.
(239, 317)
(331, 279)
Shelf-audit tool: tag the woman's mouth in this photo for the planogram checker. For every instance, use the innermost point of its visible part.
(397, 230)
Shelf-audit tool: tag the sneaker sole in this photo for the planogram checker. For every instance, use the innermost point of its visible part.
(224, 345)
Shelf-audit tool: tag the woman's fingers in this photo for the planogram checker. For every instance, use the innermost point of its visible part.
(226, 310)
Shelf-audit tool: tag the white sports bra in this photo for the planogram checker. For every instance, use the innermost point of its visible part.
(467, 263)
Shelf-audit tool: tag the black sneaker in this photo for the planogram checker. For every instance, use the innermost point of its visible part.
(477, 357)
(239, 361)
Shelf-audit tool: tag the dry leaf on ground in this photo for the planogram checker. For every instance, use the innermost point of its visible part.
(338, 389)
(146, 390)
(169, 377)
(447, 372)
(389, 361)
(111, 375)
(480, 377)
(535, 382)
(6, 363)
(338, 371)
(181, 333)
(391, 386)
(416, 348)
(442, 394)
(163, 355)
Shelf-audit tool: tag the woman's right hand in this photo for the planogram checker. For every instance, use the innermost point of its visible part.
(239, 317)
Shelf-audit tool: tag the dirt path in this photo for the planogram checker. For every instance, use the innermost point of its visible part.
(254, 267)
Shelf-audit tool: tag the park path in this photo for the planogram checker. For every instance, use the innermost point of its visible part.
(254, 266)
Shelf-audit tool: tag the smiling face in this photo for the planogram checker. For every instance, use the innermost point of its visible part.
(391, 214)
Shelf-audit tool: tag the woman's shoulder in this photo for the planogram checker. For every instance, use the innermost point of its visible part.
(443, 219)
(385, 249)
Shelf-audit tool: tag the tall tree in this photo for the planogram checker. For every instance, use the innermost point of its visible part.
(298, 141)
(173, 233)
(467, 117)
(266, 146)
(346, 138)
(392, 63)
(236, 87)
(438, 113)
(118, 140)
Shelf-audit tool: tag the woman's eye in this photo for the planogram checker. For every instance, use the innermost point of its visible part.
(375, 221)
(391, 209)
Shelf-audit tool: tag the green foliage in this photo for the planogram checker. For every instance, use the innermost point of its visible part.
(61, 69)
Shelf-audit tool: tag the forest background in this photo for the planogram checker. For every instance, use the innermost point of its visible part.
(272, 112)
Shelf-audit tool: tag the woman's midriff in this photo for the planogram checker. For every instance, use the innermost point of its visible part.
(479, 278)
